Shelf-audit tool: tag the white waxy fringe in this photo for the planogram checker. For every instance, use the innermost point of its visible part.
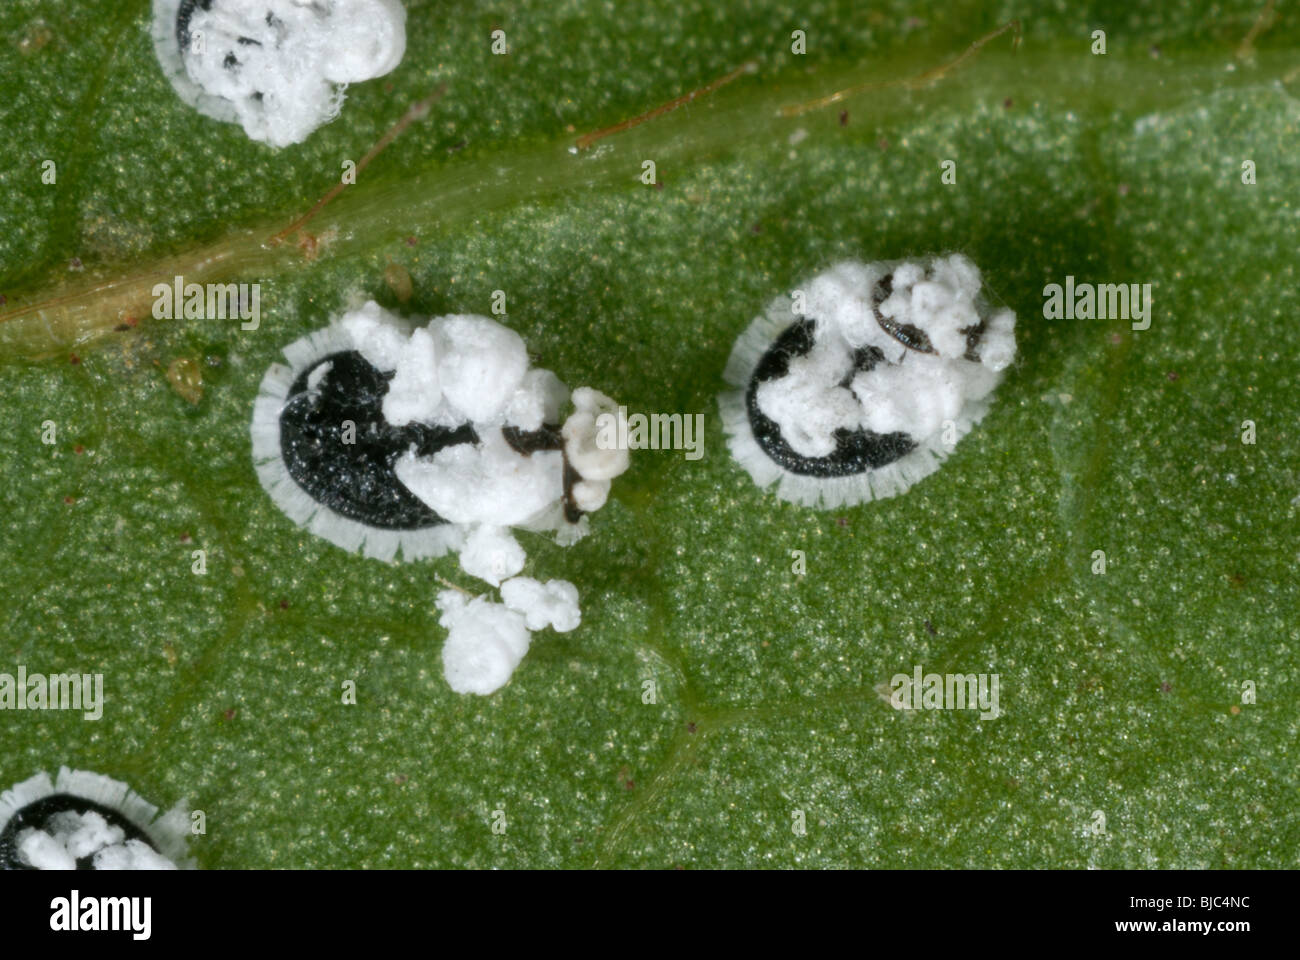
(169, 833)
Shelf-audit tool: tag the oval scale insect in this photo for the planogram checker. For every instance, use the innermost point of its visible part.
(90, 821)
(330, 458)
(829, 410)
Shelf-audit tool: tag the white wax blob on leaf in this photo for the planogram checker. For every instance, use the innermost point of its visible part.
(378, 335)
(538, 400)
(809, 403)
(551, 604)
(481, 368)
(485, 642)
(486, 482)
(415, 392)
(492, 554)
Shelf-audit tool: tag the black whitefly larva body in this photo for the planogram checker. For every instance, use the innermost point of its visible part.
(356, 478)
(856, 450)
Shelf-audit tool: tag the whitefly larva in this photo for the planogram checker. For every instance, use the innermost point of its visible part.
(86, 821)
(859, 384)
(278, 68)
(387, 437)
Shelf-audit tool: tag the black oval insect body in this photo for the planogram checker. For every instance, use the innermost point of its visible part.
(856, 451)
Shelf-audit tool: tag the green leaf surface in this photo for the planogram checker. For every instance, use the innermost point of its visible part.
(1120, 692)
